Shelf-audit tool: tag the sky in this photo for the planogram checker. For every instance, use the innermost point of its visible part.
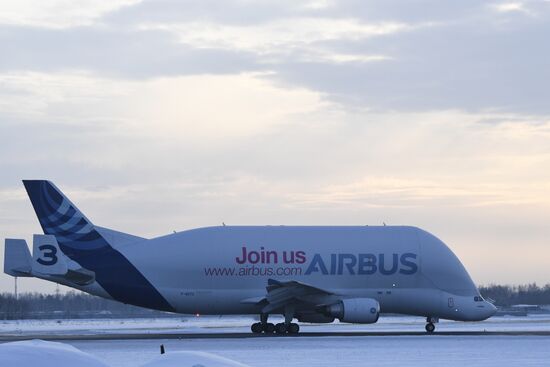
(155, 116)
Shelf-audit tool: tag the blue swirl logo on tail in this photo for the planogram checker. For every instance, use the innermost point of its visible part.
(80, 241)
(59, 217)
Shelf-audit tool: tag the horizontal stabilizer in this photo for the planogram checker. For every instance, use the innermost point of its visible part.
(50, 261)
(17, 258)
(80, 276)
(47, 256)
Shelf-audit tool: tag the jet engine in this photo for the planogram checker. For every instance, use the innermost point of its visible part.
(354, 310)
(317, 318)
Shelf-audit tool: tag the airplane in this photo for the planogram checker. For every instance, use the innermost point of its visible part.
(314, 274)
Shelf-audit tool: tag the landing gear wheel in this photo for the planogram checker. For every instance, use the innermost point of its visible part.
(430, 327)
(256, 327)
(269, 328)
(293, 328)
(280, 328)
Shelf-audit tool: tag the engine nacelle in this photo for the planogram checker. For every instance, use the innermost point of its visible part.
(316, 318)
(355, 310)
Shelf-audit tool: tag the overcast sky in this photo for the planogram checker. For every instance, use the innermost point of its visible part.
(154, 116)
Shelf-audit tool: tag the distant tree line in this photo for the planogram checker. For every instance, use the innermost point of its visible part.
(82, 305)
(506, 295)
(72, 304)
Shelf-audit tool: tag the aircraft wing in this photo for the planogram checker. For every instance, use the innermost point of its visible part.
(281, 294)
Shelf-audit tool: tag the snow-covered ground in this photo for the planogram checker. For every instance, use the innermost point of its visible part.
(452, 351)
(217, 324)
(32, 353)
(424, 350)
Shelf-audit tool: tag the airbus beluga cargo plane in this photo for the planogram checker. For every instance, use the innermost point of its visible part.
(311, 274)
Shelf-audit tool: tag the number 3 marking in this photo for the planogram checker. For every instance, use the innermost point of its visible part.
(48, 254)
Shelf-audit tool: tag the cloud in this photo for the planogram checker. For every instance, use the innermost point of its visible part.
(469, 66)
(511, 7)
(249, 13)
(228, 12)
(408, 57)
(133, 54)
(268, 38)
(398, 193)
(57, 13)
(280, 112)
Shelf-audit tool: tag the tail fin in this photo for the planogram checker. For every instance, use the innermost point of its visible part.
(89, 246)
(58, 216)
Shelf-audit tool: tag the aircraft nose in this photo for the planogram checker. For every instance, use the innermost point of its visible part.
(487, 310)
(491, 309)
(484, 310)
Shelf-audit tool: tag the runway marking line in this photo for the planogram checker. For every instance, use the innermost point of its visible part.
(139, 336)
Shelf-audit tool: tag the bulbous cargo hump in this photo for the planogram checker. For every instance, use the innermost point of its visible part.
(441, 266)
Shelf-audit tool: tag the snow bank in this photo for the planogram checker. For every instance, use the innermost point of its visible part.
(192, 359)
(32, 353)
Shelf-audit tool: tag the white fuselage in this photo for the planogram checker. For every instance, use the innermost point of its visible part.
(219, 270)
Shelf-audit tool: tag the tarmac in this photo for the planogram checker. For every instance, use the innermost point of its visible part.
(235, 335)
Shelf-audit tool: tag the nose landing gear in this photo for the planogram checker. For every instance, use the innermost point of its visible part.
(430, 326)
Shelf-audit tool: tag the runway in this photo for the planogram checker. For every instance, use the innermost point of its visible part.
(231, 335)
(510, 341)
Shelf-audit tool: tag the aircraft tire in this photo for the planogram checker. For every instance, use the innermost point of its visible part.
(430, 327)
(269, 328)
(256, 328)
(280, 328)
(293, 328)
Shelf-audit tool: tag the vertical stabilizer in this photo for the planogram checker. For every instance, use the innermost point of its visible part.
(59, 217)
(91, 248)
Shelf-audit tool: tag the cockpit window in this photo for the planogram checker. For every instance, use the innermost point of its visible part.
(478, 299)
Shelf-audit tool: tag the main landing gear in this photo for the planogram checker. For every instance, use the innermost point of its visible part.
(258, 328)
(430, 326)
(281, 328)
